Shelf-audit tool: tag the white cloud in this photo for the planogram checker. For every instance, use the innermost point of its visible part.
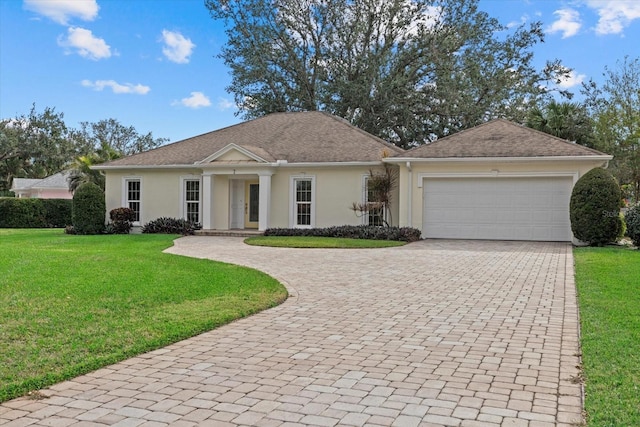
(615, 15)
(568, 23)
(177, 48)
(225, 104)
(523, 20)
(86, 44)
(61, 11)
(196, 100)
(572, 80)
(117, 87)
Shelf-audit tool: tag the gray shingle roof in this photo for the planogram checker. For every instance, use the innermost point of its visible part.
(500, 138)
(58, 180)
(294, 137)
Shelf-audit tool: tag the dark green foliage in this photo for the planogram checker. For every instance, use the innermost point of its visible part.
(402, 234)
(121, 220)
(595, 208)
(632, 218)
(57, 212)
(22, 213)
(34, 213)
(166, 225)
(89, 209)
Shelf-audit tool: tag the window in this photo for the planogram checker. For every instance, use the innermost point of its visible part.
(375, 215)
(132, 190)
(192, 200)
(303, 202)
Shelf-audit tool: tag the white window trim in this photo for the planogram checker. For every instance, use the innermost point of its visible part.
(125, 193)
(183, 201)
(293, 214)
(365, 199)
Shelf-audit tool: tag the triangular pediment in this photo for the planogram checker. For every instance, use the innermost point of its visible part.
(233, 153)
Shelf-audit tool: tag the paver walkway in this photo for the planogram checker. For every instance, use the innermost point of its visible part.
(442, 333)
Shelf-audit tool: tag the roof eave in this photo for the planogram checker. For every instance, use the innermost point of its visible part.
(280, 164)
(593, 158)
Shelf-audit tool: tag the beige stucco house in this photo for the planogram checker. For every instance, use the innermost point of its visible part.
(495, 181)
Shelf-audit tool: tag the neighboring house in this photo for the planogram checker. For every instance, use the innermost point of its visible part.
(496, 181)
(52, 187)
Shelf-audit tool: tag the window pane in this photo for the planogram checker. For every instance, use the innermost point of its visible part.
(192, 200)
(304, 214)
(133, 198)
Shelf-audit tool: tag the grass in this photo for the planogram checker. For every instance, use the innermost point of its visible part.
(608, 283)
(319, 242)
(72, 304)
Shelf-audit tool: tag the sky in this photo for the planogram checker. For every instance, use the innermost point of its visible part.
(153, 64)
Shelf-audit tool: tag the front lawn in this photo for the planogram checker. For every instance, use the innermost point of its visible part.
(319, 242)
(72, 304)
(608, 283)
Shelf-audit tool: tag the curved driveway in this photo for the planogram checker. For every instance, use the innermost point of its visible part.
(468, 333)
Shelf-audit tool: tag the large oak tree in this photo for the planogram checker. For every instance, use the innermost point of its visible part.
(408, 71)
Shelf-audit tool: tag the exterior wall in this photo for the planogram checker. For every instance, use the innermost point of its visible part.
(411, 191)
(336, 189)
(44, 193)
(160, 192)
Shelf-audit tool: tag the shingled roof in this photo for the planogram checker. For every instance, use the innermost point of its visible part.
(499, 138)
(295, 137)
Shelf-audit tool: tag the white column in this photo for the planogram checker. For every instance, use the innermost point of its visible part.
(207, 202)
(264, 202)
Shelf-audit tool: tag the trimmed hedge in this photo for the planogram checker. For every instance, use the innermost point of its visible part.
(89, 209)
(632, 218)
(402, 234)
(595, 208)
(166, 225)
(34, 213)
(122, 219)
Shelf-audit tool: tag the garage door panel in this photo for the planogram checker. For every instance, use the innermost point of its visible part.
(497, 208)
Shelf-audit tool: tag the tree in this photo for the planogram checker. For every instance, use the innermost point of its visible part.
(406, 71)
(594, 208)
(110, 140)
(82, 173)
(615, 107)
(111, 134)
(566, 120)
(35, 145)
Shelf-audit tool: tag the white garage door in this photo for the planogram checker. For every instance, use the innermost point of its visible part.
(497, 208)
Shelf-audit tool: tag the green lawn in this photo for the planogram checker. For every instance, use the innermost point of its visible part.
(319, 242)
(608, 282)
(71, 304)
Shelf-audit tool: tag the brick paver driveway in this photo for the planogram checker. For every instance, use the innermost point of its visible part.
(433, 333)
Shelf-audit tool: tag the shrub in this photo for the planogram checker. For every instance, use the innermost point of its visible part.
(22, 213)
(57, 212)
(121, 220)
(403, 234)
(595, 208)
(632, 218)
(166, 225)
(89, 211)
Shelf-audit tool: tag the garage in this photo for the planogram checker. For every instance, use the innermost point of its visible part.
(498, 208)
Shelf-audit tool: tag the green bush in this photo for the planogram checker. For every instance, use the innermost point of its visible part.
(595, 208)
(89, 211)
(166, 225)
(402, 234)
(57, 212)
(632, 218)
(121, 220)
(22, 213)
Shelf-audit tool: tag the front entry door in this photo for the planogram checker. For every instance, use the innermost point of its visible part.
(251, 199)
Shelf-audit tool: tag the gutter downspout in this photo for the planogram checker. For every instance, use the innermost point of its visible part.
(410, 195)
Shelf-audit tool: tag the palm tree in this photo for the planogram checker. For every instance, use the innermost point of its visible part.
(81, 171)
(566, 120)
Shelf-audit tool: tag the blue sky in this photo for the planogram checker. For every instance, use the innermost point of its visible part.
(152, 63)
